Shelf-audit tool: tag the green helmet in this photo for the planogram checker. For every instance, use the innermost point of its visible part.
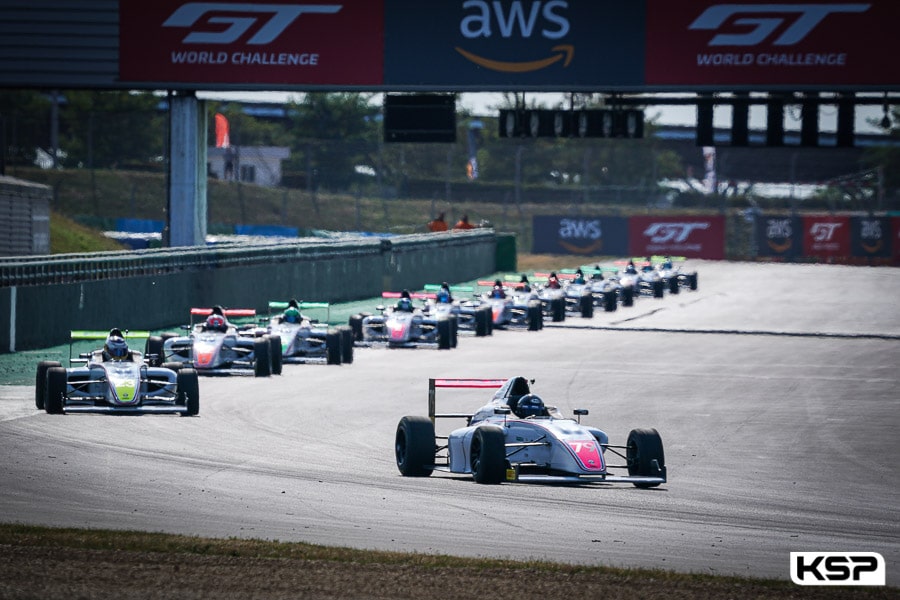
(292, 315)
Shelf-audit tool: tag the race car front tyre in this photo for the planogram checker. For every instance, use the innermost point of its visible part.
(673, 285)
(644, 455)
(658, 288)
(333, 347)
(414, 446)
(57, 379)
(276, 354)
(454, 331)
(692, 282)
(262, 365)
(188, 385)
(488, 454)
(346, 344)
(558, 309)
(40, 382)
(610, 301)
(587, 306)
(628, 296)
(535, 316)
(444, 334)
(482, 320)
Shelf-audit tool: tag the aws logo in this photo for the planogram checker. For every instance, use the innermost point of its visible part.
(487, 20)
(572, 229)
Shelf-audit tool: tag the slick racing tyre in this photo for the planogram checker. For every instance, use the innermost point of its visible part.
(346, 344)
(482, 321)
(40, 382)
(444, 334)
(262, 364)
(673, 285)
(610, 301)
(644, 455)
(628, 296)
(587, 305)
(333, 347)
(658, 288)
(488, 454)
(276, 353)
(57, 380)
(188, 385)
(356, 326)
(535, 316)
(692, 282)
(414, 446)
(558, 309)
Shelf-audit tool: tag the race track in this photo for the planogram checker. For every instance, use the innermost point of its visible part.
(775, 388)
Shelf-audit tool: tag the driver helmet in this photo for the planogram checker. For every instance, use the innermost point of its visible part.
(291, 315)
(215, 322)
(116, 347)
(529, 405)
(443, 295)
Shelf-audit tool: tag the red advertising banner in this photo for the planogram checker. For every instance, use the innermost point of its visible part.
(826, 237)
(276, 43)
(758, 42)
(689, 236)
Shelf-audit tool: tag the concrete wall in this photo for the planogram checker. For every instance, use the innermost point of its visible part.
(43, 315)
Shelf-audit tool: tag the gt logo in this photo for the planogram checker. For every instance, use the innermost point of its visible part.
(282, 15)
(837, 568)
(660, 233)
(823, 232)
(805, 18)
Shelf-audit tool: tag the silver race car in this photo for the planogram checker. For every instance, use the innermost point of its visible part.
(517, 438)
(216, 346)
(305, 339)
(405, 325)
(114, 379)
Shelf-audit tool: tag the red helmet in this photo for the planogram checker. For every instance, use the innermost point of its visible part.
(216, 322)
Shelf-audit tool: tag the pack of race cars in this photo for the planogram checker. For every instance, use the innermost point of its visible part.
(515, 437)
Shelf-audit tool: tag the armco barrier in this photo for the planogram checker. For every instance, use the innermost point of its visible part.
(43, 298)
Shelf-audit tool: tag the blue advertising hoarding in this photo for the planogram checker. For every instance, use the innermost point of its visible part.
(523, 44)
(583, 235)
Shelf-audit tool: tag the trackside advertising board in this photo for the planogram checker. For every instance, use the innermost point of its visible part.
(689, 235)
(759, 42)
(588, 236)
(514, 44)
(244, 43)
(826, 236)
(779, 236)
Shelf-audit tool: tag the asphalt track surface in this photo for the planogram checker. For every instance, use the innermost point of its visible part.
(775, 388)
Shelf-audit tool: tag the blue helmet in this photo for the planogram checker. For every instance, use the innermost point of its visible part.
(116, 347)
(530, 405)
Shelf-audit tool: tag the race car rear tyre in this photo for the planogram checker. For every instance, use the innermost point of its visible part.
(488, 455)
(153, 351)
(628, 296)
(57, 379)
(276, 353)
(414, 446)
(558, 309)
(644, 455)
(587, 306)
(346, 344)
(692, 281)
(333, 347)
(188, 385)
(262, 365)
(40, 382)
(356, 327)
(444, 334)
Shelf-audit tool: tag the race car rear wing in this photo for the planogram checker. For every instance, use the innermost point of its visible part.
(434, 384)
(415, 295)
(228, 312)
(80, 335)
(459, 289)
(275, 305)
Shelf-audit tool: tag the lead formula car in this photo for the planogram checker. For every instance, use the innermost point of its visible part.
(517, 438)
(124, 384)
